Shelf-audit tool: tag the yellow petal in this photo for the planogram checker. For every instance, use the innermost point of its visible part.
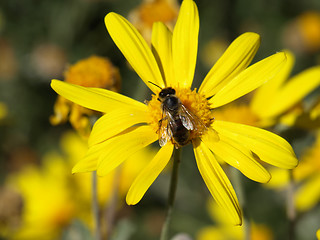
(207, 233)
(280, 178)
(217, 182)
(210, 135)
(308, 164)
(162, 50)
(291, 93)
(234, 60)
(120, 99)
(249, 79)
(90, 160)
(227, 230)
(149, 174)
(98, 99)
(264, 94)
(270, 147)
(185, 43)
(135, 49)
(119, 148)
(315, 111)
(115, 122)
(239, 157)
(86, 165)
(309, 194)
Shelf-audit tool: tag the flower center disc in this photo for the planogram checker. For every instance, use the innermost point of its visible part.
(195, 103)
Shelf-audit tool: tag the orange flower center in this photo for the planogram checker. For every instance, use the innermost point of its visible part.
(158, 10)
(94, 72)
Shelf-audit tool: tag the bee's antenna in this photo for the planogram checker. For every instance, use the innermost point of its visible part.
(155, 84)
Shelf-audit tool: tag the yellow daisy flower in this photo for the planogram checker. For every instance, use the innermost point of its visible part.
(48, 206)
(318, 234)
(130, 125)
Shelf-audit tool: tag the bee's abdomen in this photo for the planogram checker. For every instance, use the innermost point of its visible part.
(179, 133)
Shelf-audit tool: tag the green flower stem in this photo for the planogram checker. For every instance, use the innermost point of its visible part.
(291, 211)
(111, 207)
(172, 193)
(95, 206)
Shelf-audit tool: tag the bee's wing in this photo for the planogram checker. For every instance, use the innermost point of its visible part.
(165, 133)
(191, 122)
(188, 119)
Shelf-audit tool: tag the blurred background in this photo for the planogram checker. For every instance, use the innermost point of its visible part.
(39, 144)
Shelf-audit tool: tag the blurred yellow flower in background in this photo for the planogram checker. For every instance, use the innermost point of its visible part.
(307, 175)
(53, 198)
(302, 34)
(223, 230)
(318, 234)
(94, 71)
(151, 11)
(130, 125)
(310, 29)
(47, 203)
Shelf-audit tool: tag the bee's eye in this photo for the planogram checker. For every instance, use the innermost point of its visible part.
(171, 91)
(162, 94)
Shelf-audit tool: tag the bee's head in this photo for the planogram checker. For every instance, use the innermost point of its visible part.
(166, 92)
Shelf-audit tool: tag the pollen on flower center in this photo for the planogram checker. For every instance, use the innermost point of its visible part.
(196, 103)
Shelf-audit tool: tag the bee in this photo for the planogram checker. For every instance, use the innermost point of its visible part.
(177, 121)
